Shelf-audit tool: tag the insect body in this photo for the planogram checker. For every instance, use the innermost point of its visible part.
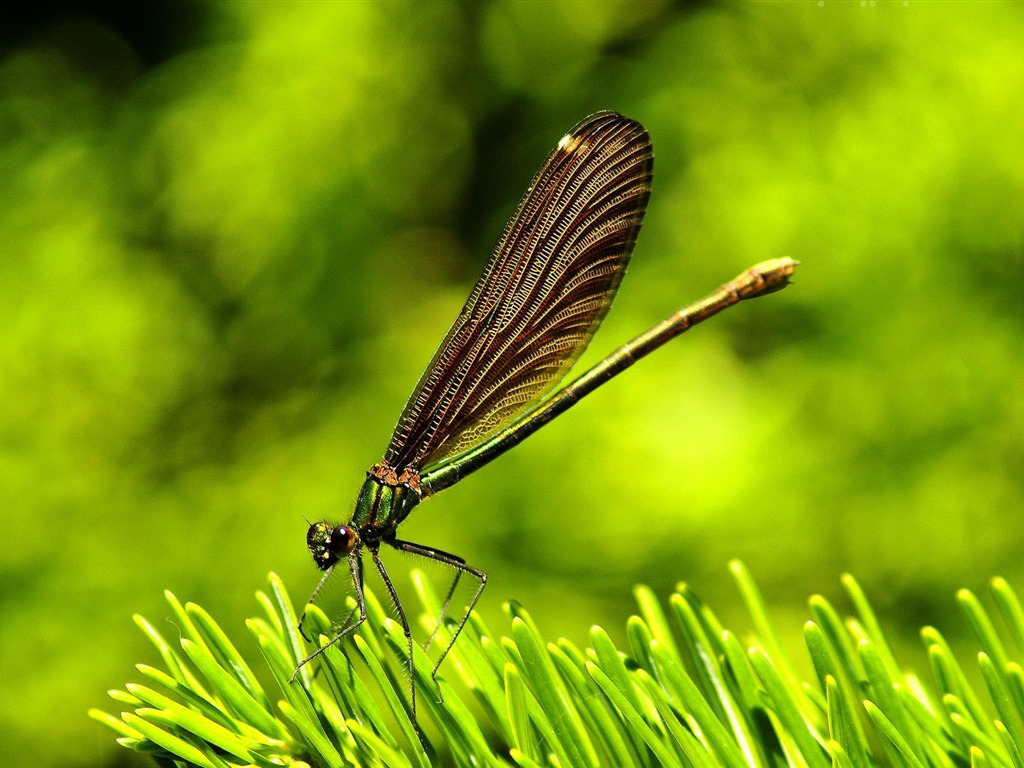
(492, 382)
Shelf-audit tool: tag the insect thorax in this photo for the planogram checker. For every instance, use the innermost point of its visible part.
(385, 500)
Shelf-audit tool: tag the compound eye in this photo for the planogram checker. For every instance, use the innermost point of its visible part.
(341, 541)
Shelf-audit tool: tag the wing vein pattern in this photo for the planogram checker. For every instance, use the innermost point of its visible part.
(541, 298)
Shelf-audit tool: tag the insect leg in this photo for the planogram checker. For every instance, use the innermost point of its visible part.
(408, 634)
(355, 564)
(460, 566)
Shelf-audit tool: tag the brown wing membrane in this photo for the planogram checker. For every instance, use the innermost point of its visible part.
(542, 296)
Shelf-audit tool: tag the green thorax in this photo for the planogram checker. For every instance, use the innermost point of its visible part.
(385, 500)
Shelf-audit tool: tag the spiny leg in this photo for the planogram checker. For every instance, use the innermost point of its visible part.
(408, 635)
(459, 565)
(445, 606)
(355, 564)
(312, 599)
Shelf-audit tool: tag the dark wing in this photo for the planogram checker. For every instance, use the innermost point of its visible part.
(542, 296)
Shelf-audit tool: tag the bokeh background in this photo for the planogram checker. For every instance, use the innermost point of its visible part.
(232, 235)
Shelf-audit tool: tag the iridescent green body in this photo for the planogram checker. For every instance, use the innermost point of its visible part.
(383, 502)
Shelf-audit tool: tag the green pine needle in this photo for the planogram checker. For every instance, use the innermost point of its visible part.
(687, 692)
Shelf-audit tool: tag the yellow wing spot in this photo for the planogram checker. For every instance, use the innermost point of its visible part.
(568, 143)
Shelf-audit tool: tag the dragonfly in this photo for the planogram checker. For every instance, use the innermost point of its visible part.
(495, 378)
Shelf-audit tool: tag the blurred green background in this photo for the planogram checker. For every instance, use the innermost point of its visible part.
(232, 235)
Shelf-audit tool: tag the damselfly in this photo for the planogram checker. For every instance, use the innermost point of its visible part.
(492, 382)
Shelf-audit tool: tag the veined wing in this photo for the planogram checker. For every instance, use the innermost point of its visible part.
(542, 296)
